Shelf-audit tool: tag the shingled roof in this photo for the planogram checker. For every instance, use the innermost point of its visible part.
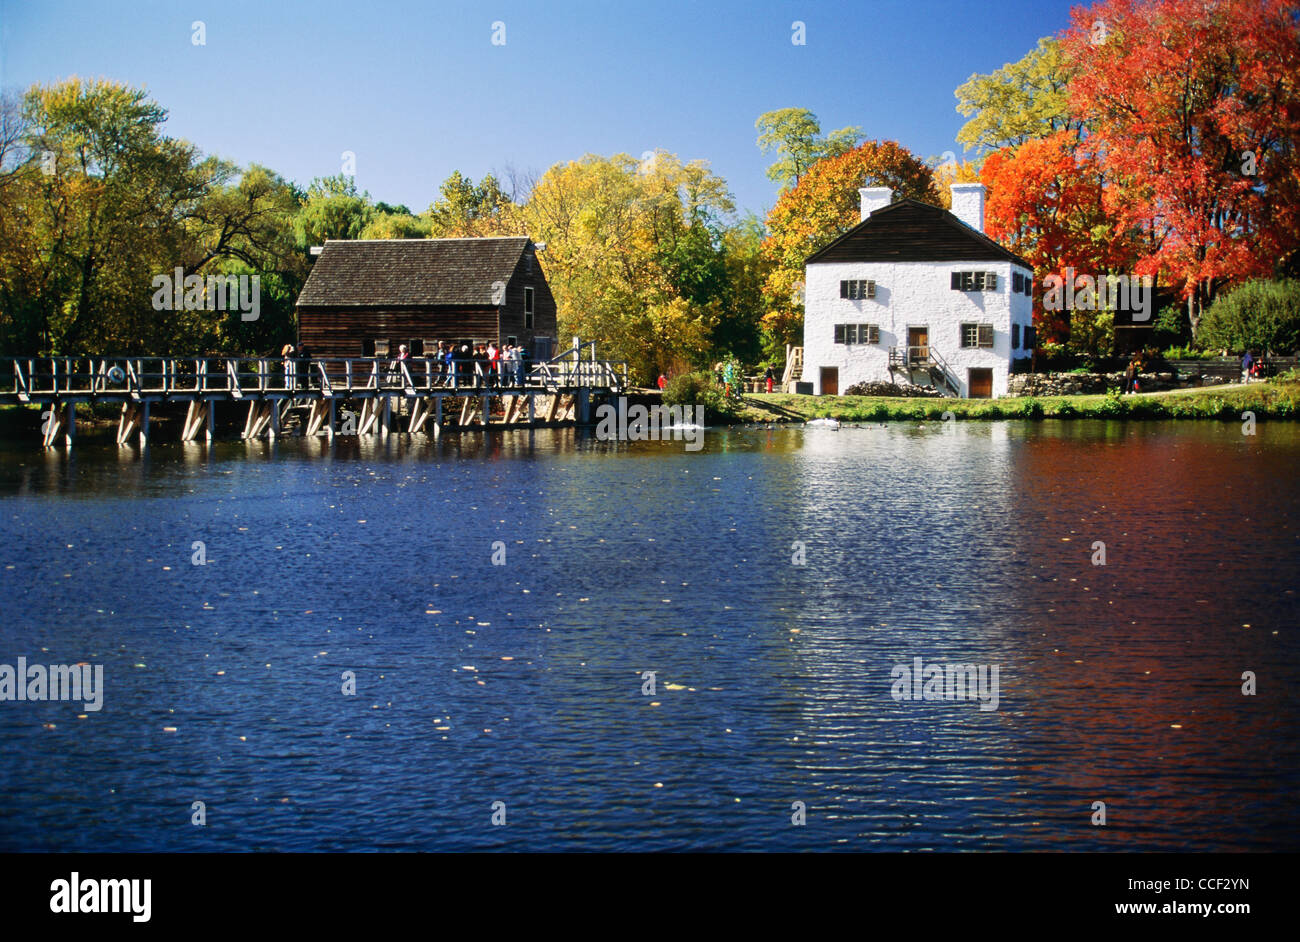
(410, 272)
(911, 231)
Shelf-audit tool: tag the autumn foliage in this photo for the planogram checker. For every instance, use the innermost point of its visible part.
(823, 206)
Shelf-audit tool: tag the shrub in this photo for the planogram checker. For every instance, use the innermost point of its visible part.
(689, 389)
(1259, 315)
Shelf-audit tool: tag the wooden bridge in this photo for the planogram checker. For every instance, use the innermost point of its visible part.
(464, 394)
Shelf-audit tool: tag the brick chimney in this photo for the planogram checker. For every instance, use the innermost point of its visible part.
(968, 204)
(874, 198)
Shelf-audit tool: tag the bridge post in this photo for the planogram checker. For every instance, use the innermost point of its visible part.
(212, 414)
(386, 424)
(144, 424)
(437, 416)
(330, 433)
(584, 405)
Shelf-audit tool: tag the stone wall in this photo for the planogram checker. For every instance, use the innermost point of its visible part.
(1091, 384)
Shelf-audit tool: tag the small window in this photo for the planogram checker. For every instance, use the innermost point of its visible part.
(367, 348)
(1015, 335)
(857, 290)
(512, 341)
(839, 334)
(977, 335)
(1017, 283)
(381, 348)
(415, 347)
(528, 308)
(868, 333)
(974, 281)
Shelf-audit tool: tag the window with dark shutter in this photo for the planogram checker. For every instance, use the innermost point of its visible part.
(1017, 281)
(873, 333)
(986, 335)
(839, 333)
(969, 335)
(956, 281)
(1015, 336)
(991, 281)
(844, 289)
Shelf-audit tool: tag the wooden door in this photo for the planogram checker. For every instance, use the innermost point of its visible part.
(830, 381)
(918, 345)
(980, 383)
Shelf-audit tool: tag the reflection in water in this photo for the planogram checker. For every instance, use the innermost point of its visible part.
(772, 581)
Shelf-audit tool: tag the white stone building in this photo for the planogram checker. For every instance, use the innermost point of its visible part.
(916, 294)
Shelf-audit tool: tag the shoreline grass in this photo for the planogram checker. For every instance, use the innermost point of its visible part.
(1275, 399)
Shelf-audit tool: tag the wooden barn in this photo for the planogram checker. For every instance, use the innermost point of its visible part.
(364, 297)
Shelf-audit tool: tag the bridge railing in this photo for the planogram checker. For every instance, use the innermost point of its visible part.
(24, 377)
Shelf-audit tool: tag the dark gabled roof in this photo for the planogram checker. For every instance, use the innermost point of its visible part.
(410, 272)
(911, 231)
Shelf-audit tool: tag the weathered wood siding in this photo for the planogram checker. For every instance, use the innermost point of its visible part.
(343, 332)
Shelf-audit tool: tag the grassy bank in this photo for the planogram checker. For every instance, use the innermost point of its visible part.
(1276, 399)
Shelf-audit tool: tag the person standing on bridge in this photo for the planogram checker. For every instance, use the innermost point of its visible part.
(304, 358)
(286, 354)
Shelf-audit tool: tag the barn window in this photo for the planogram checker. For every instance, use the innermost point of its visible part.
(528, 308)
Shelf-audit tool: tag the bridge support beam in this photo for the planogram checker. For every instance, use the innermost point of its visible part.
(59, 420)
(135, 418)
(195, 417)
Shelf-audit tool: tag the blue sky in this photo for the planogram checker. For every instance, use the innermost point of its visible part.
(417, 90)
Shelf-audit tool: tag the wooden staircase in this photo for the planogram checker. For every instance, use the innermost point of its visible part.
(793, 367)
(924, 360)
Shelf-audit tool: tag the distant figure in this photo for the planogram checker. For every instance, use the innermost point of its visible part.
(770, 378)
(1247, 363)
(728, 377)
(304, 357)
(286, 354)
(663, 381)
(1130, 376)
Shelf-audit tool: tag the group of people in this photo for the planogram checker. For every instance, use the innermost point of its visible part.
(482, 364)
(463, 364)
(1252, 367)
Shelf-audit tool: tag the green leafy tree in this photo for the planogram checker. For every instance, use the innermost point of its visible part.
(1019, 102)
(1258, 315)
(795, 135)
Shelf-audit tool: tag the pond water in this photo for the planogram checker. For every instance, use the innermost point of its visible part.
(500, 603)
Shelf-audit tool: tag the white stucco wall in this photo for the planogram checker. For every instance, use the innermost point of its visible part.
(910, 294)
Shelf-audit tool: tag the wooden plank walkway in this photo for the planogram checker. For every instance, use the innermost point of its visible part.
(268, 386)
